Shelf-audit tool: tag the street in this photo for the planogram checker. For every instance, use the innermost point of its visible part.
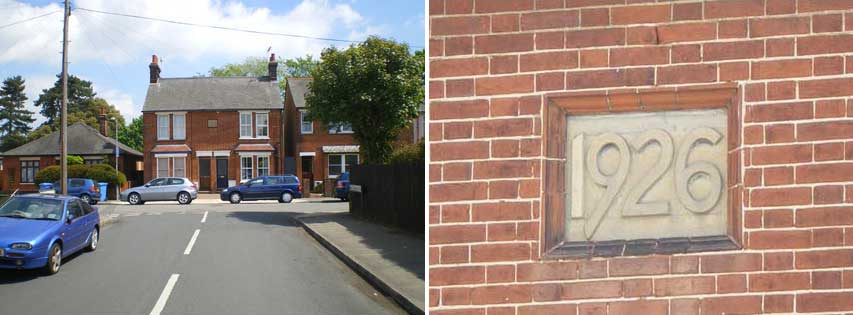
(249, 258)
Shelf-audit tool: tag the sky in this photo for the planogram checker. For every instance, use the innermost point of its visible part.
(113, 52)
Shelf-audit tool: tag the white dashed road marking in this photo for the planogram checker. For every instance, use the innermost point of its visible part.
(192, 242)
(204, 218)
(164, 296)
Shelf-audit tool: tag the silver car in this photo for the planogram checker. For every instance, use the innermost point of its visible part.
(162, 189)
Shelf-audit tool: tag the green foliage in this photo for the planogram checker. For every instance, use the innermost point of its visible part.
(98, 173)
(407, 154)
(74, 160)
(14, 117)
(131, 135)
(376, 86)
(258, 67)
(80, 94)
(11, 141)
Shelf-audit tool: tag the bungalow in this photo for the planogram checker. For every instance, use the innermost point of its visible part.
(20, 165)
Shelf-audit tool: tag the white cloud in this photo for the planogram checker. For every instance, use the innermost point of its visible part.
(120, 40)
(34, 86)
(122, 101)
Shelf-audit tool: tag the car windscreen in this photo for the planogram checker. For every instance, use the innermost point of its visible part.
(32, 208)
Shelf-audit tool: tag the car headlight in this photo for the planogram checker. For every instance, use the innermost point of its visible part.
(225, 190)
(24, 246)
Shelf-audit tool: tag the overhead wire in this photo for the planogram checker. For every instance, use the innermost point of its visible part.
(29, 19)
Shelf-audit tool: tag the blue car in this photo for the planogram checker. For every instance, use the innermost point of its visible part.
(39, 230)
(342, 187)
(83, 188)
(283, 188)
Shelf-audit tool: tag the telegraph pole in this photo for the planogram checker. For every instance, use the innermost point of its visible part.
(63, 130)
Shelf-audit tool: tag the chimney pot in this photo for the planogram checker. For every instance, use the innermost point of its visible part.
(154, 70)
(272, 68)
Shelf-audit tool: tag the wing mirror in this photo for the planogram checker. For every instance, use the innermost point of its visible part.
(69, 218)
(147, 185)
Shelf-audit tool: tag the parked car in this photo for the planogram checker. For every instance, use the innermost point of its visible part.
(283, 188)
(40, 230)
(342, 187)
(162, 189)
(86, 189)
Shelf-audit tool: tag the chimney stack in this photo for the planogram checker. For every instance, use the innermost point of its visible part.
(102, 122)
(273, 68)
(154, 70)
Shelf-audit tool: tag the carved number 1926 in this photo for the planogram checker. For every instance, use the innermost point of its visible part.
(684, 173)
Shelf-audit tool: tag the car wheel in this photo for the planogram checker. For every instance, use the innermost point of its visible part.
(134, 199)
(235, 197)
(93, 241)
(286, 197)
(86, 198)
(184, 198)
(54, 260)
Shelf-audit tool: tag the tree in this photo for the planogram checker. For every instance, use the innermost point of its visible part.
(131, 135)
(11, 141)
(14, 118)
(375, 86)
(258, 67)
(80, 95)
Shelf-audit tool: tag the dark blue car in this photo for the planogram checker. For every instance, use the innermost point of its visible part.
(39, 230)
(82, 188)
(342, 187)
(283, 188)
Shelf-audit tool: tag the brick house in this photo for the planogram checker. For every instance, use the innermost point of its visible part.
(215, 131)
(20, 165)
(518, 225)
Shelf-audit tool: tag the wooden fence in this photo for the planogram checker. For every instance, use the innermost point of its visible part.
(389, 194)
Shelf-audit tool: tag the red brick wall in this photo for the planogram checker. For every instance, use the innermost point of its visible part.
(493, 64)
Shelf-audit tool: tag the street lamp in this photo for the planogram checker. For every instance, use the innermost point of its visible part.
(116, 157)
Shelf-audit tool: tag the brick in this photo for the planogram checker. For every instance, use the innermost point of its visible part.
(459, 88)
(824, 44)
(827, 237)
(505, 148)
(778, 303)
(591, 290)
(780, 239)
(684, 286)
(457, 234)
(779, 261)
(824, 173)
(510, 310)
(686, 32)
(825, 216)
(733, 50)
(459, 25)
(824, 130)
(776, 47)
(778, 218)
(754, 92)
(504, 107)
(642, 35)
(828, 194)
(549, 4)
(459, 150)
(500, 273)
(456, 275)
(550, 40)
(687, 11)
(639, 307)
(609, 78)
(780, 196)
(735, 283)
(779, 133)
(592, 269)
(550, 81)
(752, 219)
(490, 44)
(502, 211)
(776, 7)
(684, 264)
(829, 151)
(457, 296)
(436, 89)
(828, 65)
(732, 29)
(593, 58)
(779, 26)
(503, 169)
(781, 90)
(457, 171)
(826, 280)
(595, 38)
(547, 271)
(497, 232)
(684, 306)
(634, 56)
(637, 287)
(733, 8)
(488, 6)
(640, 14)
(824, 302)
(549, 19)
(730, 263)
(824, 259)
(500, 252)
(549, 61)
(503, 128)
(753, 134)
(592, 308)
(455, 213)
(462, 45)
(567, 309)
(731, 305)
(436, 47)
(780, 112)
(826, 87)
(731, 71)
(436, 7)
(458, 130)
(503, 64)
(635, 266)
(829, 108)
(595, 17)
(505, 23)
(819, 5)
(781, 69)
(827, 23)
(687, 74)
(504, 85)
(457, 191)
(782, 154)
(453, 254)
(458, 67)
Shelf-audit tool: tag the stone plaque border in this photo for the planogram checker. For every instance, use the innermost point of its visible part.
(553, 243)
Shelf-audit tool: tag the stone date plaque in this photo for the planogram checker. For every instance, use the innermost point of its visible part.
(646, 175)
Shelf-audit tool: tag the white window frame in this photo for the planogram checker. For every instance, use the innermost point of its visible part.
(179, 132)
(158, 160)
(244, 168)
(265, 127)
(244, 125)
(343, 164)
(161, 124)
(266, 170)
(183, 168)
(303, 123)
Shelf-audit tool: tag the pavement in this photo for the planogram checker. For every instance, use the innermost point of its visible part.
(391, 260)
(251, 258)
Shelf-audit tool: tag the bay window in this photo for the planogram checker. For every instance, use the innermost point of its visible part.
(179, 167)
(162, 167)
(245, 168)
(263, 165)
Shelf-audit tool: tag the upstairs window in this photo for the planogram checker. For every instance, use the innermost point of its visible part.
(262, 128)
(246, 125)
(162, 127)
(340, 128)
(179, 127)
(307, 125)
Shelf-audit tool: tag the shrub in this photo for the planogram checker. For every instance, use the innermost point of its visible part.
(48, 174)
(105, 173)
(99, 173)
(74, 160)
(408, 154)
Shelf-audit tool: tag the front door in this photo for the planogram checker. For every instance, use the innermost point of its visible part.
(308, 172)
(221, 173)
(204, 173)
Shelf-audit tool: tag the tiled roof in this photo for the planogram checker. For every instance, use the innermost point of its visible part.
(82, 140)
(254, 147)
(212, 93)
(298, 89)
(163, 148)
